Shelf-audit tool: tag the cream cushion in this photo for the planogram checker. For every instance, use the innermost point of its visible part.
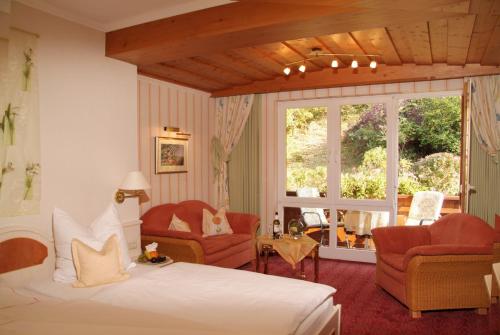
(97, 267)
(179, 225)
(215, 224)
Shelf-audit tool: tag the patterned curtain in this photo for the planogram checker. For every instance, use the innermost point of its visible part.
(485, 113)
(19, 123)
(231, 116)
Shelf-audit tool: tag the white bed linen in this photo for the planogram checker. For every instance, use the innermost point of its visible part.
(230, 301)
(221, 297)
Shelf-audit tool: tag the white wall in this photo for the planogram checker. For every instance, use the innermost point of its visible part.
(88, 120)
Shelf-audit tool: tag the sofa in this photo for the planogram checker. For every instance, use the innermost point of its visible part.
(440, 266)
(495, 294)
(228, 250)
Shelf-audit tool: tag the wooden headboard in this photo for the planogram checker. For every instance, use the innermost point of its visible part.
(21, 252)
(25, 255)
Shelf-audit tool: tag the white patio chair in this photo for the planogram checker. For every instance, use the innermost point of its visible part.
(425, 208)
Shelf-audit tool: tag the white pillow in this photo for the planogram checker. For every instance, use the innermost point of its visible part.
(109, 224)
(65, 230)
(215, 224)
(178, 225)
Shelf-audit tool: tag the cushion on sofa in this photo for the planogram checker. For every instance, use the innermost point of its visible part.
(214, 244)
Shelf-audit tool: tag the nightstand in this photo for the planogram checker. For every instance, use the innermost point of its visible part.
(132, 231)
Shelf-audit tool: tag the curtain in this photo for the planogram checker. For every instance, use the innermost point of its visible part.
(486, 113)
(231, 114)
(485, 178)
(19, 121)
(244, 165)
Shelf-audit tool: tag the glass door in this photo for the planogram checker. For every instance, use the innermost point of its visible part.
(364, 181)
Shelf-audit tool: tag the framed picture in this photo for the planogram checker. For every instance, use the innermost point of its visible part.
(171, 155)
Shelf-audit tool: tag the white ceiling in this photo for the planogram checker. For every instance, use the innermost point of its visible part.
(108, 15)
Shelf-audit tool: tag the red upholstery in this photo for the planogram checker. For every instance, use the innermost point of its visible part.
(229, 250)
(497, 228)
(454, 234)
(462, 229)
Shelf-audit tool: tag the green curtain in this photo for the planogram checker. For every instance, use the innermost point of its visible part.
(485, 177)
(244, 165)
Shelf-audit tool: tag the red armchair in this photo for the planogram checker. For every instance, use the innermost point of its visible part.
(229, 250)
(440, 266)
(496, 257)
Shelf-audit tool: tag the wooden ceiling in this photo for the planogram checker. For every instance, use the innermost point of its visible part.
(243, 47)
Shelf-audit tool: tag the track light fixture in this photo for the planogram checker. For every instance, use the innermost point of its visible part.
(317, 52)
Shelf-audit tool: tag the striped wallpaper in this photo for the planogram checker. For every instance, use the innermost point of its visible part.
(269, 196)
(164, 104)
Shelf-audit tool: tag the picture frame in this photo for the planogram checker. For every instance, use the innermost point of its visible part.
(171, 155)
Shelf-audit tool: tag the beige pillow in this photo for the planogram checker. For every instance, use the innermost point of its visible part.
(215, 224)
(97, 267)
(179, 225)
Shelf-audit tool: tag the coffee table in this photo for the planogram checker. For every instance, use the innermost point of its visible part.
(293, 251)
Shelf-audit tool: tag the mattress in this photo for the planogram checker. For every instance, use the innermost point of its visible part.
(190, 297)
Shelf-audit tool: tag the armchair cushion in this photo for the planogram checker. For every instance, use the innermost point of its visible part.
(461, 229)
(400, 238)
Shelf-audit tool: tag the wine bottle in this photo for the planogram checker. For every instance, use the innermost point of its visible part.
(276, 227)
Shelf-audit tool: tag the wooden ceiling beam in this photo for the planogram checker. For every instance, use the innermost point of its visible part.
(244, 24)
(240, 66)
(492, 53)
(208, 70)
(329, 50)
(260, 59)
(182, 77)
(438, 31)
(313, 64)
(377, 41)
(459, 37)
(419, 39)
(363, 76)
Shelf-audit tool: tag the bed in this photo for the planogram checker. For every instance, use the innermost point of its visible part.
(180, 298)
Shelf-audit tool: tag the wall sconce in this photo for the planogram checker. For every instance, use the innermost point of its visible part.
(132, 186)
(175, 131)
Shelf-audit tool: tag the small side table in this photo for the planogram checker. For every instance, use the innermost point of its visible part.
(285, 247)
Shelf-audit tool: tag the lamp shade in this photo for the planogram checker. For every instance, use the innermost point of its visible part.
(134, 181)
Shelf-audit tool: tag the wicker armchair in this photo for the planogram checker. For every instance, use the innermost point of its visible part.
(440, 266)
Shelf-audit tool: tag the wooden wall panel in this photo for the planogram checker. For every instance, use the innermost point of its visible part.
(164, 104)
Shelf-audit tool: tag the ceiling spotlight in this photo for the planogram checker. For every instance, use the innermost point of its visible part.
(287, 70)
(373, 64)
(335, 63)
(302, 68)
(354, 64)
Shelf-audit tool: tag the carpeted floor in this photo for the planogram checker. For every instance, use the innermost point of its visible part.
(367, 309)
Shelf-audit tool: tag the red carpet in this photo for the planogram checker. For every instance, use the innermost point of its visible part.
(367, 309)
